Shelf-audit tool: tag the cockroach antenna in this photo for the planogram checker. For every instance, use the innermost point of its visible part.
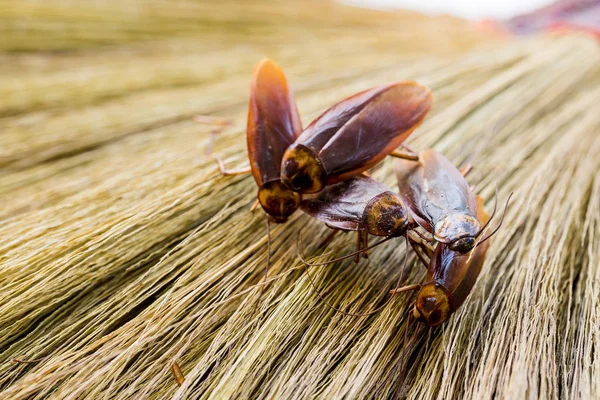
(300, 246)
(499, 224)
(268, 263)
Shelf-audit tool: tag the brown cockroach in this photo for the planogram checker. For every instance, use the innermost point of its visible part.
(440, 199)
(451, 276)
(273, 125)
(359, 204)
(354, 135)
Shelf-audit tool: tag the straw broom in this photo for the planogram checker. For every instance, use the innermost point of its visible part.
(125, 251)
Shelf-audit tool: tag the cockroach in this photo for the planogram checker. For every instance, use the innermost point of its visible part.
(273, 125)
(360, 204)
(451, 276)
(440, 199)
(354, 135)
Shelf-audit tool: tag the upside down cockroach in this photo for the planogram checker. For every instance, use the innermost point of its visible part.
(359, 204)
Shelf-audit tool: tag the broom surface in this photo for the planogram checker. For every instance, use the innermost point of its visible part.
(124, 250)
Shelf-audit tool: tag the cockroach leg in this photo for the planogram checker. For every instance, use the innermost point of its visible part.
(421, 239)
(359, 243)
(365, 243)
(424, 239)
(406, 154)
(466, 169)
(218, 125)
(177, 374)
(407, 288)
(208, 120)
(254, 205)
(420, 249)
(230, 172)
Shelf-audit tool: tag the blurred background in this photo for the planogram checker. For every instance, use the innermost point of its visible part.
(461, 8)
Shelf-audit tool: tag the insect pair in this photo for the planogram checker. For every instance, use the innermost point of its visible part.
(319, 169)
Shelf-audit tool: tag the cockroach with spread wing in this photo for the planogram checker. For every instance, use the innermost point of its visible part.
(354, 135)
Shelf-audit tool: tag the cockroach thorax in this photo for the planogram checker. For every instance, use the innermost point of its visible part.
(302, 170)
(278, 201)
(432, 306)
(458, 230)
(386, 215)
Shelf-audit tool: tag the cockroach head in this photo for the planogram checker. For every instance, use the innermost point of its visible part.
(386, 215)
(463, 245)
(458, 231)
(432, 306)
(302, 170)
(278, 201)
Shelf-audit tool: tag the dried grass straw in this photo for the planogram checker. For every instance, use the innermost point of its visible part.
(124, 251)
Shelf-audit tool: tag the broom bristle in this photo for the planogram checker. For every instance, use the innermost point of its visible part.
(125, 252)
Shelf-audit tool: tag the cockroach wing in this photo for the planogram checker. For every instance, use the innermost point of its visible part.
(477, 258)
(458, 272)
(342, 205)
(357, 133)
(434, 189)
(273, 121)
